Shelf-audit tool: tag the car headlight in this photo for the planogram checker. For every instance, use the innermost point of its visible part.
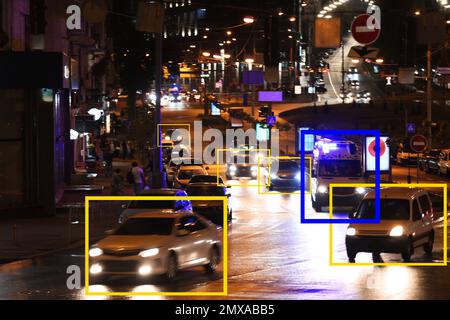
(360, 190)
(96, 268)
(149, 253)
(232, 168)
(322, 189)
(351, 232)
(95, 252)
(274, 176)
(298, 176)
(396, 231)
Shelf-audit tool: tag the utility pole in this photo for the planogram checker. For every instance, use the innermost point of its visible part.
(343, 72)
(429, 98)
(158, 177)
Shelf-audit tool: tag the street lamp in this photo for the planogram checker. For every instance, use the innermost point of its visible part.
(249, 20)
(206, 54)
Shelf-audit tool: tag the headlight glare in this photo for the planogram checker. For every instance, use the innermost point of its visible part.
(95, 252)
(361, 190)
(322, 189)
(149, 253)
(351, 232)
(396, 231)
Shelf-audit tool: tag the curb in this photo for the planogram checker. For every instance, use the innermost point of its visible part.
(73, 245)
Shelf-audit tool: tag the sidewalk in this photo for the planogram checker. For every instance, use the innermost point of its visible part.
(30, 237)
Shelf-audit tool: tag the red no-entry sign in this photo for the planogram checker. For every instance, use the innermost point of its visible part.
(418, 143)
(362, 32)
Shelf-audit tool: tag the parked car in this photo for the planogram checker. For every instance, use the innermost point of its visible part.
(406, 224)
(407, 158)
(429, 162)
(444, 163)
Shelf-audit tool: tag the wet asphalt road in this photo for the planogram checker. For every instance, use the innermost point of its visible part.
(271, 256)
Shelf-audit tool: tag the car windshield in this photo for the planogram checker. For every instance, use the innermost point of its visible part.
(205, 191)
(390, 209)
(204, 178)
(288, 165)
(152, 204)
(146, 226)
(188, 174)
(340, 168)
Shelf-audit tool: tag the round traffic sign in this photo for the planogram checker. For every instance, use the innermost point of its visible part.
(372, 148)
(418, 143)
(361, 31)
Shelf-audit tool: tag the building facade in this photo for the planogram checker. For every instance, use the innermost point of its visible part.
(46, 81)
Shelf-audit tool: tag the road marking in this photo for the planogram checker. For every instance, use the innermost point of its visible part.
(332, 86)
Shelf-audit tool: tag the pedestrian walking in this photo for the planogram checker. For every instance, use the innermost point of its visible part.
(118, 183)
(137, 178)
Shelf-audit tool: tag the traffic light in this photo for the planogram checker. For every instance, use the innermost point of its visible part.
(265, 111)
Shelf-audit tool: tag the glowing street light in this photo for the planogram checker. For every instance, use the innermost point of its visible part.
(379, 60)
(249, 20)
(206, 54)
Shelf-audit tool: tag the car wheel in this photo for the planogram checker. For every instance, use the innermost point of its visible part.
(172, 267)
(317, 206)
(214, 260)
(428, 247)
(313, 203)
(408, 252)
(351, 256)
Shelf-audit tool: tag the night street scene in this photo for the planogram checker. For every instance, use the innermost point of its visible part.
(224, 150)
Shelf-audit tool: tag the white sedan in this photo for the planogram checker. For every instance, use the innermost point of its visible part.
(149, 244)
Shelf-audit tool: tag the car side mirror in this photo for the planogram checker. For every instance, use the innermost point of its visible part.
(183, 233)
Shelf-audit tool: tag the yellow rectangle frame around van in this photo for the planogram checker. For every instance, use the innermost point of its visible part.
(282, 158)
(224, 292)
(268, 151)
(403, 264)
(173, 125)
